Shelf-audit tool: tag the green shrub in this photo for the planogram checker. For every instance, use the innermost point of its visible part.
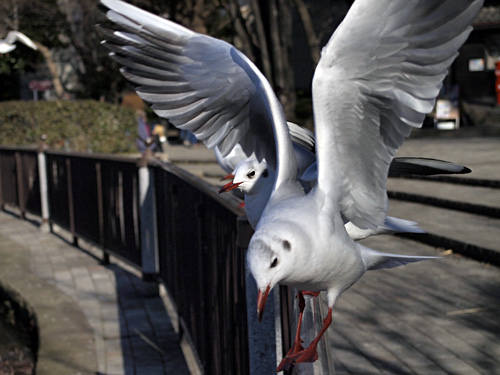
(84, 125)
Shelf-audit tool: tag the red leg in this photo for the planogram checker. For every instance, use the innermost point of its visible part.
(307, 355)
(311, 354)
(297, 347)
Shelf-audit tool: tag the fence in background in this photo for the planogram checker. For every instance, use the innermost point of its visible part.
(194, 243)
(19, 179)
(95, 198)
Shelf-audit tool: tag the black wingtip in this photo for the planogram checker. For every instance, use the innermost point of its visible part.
(465, 170)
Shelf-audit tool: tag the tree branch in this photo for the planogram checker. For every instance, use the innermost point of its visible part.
(312, 39)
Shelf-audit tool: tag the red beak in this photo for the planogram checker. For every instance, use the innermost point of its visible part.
(229, 176)
(229, 186)
(261, 302)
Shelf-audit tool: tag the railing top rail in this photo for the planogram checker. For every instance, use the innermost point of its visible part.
(229, 201)
(95, 155)
(19, 148)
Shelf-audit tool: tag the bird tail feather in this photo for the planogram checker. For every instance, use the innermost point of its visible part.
(375, 260)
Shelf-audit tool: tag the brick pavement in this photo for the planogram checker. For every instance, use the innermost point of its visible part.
(121, 326)
(433, 317)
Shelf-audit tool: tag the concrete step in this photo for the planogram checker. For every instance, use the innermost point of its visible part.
(434, 317)
(473, 235)
(476, 195)
(466, 198)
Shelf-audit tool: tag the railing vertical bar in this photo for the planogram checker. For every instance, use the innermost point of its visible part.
(71, 206)
(121, 208)
(135, 212)
(1, 182)
(262, 336)
(21, 201)
(148, 230)
(100, 211)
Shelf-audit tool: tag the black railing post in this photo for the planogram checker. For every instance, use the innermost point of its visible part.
(1, 183)
(21, 194)
(100, 210)
(264, 338)
(147, 212)
(71, 203)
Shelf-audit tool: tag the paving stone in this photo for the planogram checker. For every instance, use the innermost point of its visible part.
(406, 311)
(111, 330)
(97, 291)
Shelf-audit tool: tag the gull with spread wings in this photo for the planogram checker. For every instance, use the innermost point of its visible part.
(378, 76)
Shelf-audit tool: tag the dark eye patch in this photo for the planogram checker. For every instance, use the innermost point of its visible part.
(274, 262)
(251, 174)
(287, 245)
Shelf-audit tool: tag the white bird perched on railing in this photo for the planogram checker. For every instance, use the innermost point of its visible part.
(8, 43)
(377, 77)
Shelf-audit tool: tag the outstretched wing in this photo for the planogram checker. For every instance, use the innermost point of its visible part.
(14, 36)
(377, 78)
(197, 82)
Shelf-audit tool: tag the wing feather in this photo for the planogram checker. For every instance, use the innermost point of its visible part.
(198, 83)
(374, 83)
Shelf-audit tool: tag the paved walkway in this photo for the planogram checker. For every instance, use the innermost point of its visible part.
(93, 319)
(430, 318)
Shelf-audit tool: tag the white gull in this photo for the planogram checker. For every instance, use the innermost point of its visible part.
(378, 76)
(7, 44)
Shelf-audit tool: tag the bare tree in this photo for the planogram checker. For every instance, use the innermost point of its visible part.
(20, 15)
(262, 31)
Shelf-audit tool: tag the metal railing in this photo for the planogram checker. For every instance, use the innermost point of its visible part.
(202, 261)
(19, 179)
(199, 244)
(177, 230)
(94, 197)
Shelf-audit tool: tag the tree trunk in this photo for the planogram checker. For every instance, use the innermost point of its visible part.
(280, 14)
(266, 64)
(58, 87)
(243, 37)
(311, 36)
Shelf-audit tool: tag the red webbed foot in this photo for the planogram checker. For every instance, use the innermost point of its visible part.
(309, 354)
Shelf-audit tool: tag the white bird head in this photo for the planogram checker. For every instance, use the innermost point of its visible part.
(249, 176)
(272, 258)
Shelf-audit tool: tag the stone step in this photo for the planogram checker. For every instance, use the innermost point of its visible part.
(434, 317)
(470, 234)
(477, 195)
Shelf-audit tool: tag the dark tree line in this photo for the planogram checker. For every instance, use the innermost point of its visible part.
(265, 30)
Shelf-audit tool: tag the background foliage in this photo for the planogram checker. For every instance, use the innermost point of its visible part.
(85, 125)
